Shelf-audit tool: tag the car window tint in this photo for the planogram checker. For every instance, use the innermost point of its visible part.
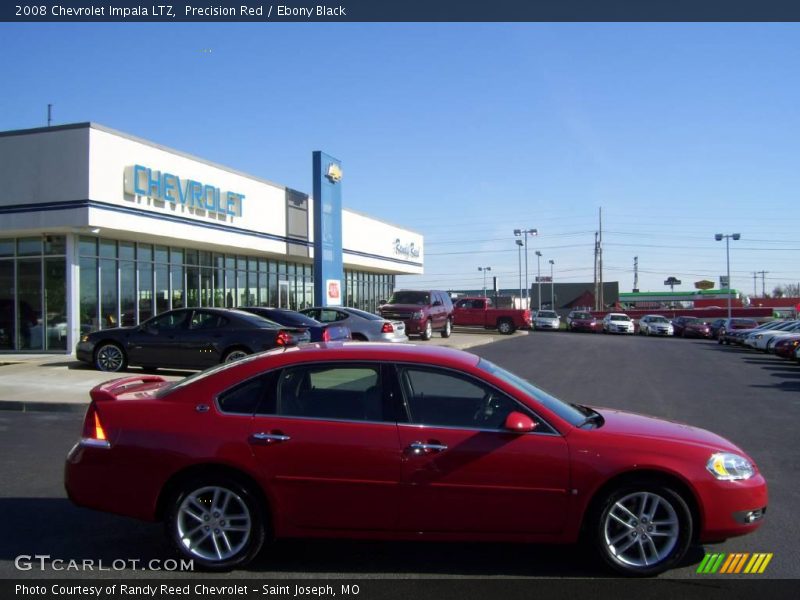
(351, 392)
(445, 399)
(169, 322)
(254, 395)
(206, 320)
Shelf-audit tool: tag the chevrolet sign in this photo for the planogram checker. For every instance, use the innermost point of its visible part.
(334, 173)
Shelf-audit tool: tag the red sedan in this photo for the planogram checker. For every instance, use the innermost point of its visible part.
(401, 442)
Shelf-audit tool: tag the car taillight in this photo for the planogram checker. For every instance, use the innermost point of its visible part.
(93, 432)
(282, 339)
(387, 328)
(326, 335)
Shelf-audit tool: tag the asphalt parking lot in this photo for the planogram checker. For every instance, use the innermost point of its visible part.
(751, 398)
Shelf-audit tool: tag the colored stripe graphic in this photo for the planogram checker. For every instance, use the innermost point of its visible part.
(734, 563)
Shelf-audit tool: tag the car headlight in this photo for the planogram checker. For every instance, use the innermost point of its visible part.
(417, 315)
(730, 467)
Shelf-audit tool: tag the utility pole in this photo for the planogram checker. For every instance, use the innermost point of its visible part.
(755, 274)
(763, 284)
(596, 291)
(635, 274)
(600, 260)
(49, 114)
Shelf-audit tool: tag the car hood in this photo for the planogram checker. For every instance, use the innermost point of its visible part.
(403, 307)
(112, 331)
(618, 422)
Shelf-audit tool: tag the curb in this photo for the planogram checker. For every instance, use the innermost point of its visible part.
(25, 406)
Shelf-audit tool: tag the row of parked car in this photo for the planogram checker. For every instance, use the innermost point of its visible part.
(781, 337)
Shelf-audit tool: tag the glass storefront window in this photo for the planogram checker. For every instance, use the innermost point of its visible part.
(162, 288)
(109, 297)
(55, 296)
(127, 251)
(29, 246)
(88, 246)
(193, 286)
(176, 281)
(55, 244)
(6, 247)
(145, 252)
(206, 287)
(88, 295)
(145, 290)
(8, 315)
(127, 292)
(29, 309)
(108, 249)
(162, 254)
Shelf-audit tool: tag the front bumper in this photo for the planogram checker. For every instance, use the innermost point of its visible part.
(732, 508)
(84, 351)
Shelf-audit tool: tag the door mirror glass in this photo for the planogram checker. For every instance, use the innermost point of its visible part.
(519, 423)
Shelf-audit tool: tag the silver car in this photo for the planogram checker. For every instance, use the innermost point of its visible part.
(363, 326)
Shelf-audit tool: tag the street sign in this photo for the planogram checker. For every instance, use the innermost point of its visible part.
(672, 281)
(544, 279)
(724, 282)
(704, 284)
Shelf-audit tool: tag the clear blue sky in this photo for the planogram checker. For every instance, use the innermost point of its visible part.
(464, 132)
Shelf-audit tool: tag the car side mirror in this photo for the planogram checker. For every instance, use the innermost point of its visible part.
(519, 423)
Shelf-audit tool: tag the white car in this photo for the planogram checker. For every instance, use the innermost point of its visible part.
(760, 339)
(617, 323)
(655, 325)
(767, 344)
(546, 319)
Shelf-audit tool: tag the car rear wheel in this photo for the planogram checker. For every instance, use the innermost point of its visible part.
(448, 329)
(216, 522)
(643, 529)
(110, 357)
(505, 327)
(235, 354)
(427, 333)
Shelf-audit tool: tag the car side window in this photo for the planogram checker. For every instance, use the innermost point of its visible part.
(464, 304)
(328, 316)
(347, 392)
(169, 322)
(446, 399)
(251, 396)
(206, 320)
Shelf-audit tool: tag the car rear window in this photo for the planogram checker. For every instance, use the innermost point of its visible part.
(547, 314)
(364, 314)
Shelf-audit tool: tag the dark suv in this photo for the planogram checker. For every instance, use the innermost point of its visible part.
(421, 311)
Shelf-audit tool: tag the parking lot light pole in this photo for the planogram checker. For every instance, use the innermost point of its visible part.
(484, 269)
(519, 262)
(525, 233)
(552, 287)
(539, 277)
(728, 236)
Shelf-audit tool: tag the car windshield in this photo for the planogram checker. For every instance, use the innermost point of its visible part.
(421, 298)
(547, 314)
(658, 320)
(288, 317)
(581, 316)
(619, 318)
(566, 411)
(363, 314)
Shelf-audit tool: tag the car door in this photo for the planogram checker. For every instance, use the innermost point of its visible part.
(157, 342)
(438, 310)
(203, 341)
(326, 442)
(470, 312)
(462, 472)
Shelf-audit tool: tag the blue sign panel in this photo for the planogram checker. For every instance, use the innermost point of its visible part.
(328, 270)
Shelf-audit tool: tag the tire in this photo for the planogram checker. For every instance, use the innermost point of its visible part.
(235, 354)
(235, 532)
(618, 534)
(110, 357)
(448, 329)
(427, 333)
(719, 336)
(505, 327)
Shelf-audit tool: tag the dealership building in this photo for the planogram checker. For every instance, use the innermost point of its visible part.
(99, 228)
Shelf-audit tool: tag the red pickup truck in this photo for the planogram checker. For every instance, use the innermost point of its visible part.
(479, 312)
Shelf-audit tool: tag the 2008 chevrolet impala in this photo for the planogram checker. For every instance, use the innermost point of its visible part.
(402, 442)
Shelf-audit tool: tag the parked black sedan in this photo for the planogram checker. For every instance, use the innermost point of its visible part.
(320, 332)
(186, 338)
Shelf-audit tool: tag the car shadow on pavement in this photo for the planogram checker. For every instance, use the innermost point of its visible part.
(64, 532)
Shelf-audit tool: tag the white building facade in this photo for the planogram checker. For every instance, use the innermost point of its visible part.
(100, 229)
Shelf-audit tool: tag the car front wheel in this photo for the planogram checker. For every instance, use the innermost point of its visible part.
(505, 327)
(643, 529)
(427, 333)
(110, 357)
(215, 522)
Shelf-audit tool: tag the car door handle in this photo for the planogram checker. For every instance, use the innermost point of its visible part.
(263, 438)
(430, 447)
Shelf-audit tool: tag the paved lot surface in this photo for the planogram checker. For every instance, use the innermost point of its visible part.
(751, 398)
